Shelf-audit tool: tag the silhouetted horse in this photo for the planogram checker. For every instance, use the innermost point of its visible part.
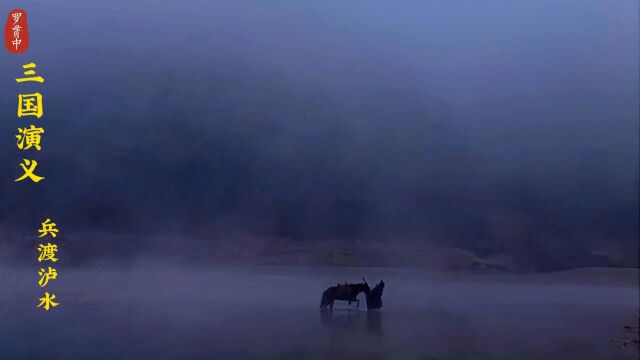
(346, 292)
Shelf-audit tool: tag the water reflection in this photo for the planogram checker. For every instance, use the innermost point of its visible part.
(374, 322)
(353, 320)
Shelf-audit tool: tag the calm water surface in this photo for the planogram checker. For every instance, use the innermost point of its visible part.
(272, 313)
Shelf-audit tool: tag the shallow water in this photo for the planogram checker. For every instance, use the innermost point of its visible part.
(272, 313)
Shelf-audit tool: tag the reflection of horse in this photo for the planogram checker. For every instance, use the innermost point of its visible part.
(352, 321)
(346, 292)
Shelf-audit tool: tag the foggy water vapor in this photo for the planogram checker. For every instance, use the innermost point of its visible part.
(498, 128)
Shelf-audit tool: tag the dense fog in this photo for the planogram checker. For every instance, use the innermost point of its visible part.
(497, 127)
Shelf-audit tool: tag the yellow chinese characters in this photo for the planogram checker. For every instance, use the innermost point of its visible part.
(47, 301)
(46, 275)
(29, 74)
(28, 172)
(47, 252)
(48, 228)
(29, 137)
(30, 105)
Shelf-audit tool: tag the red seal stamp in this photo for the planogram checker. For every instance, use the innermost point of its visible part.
(16, 32)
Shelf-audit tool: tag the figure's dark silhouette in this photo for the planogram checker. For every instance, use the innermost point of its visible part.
(374, 298)
(346, 292)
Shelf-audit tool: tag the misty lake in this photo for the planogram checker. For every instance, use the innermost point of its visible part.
(153, 312)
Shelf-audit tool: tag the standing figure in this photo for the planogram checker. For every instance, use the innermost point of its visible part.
(374, 299)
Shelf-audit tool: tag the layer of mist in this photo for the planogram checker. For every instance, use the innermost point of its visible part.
(501, 129)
